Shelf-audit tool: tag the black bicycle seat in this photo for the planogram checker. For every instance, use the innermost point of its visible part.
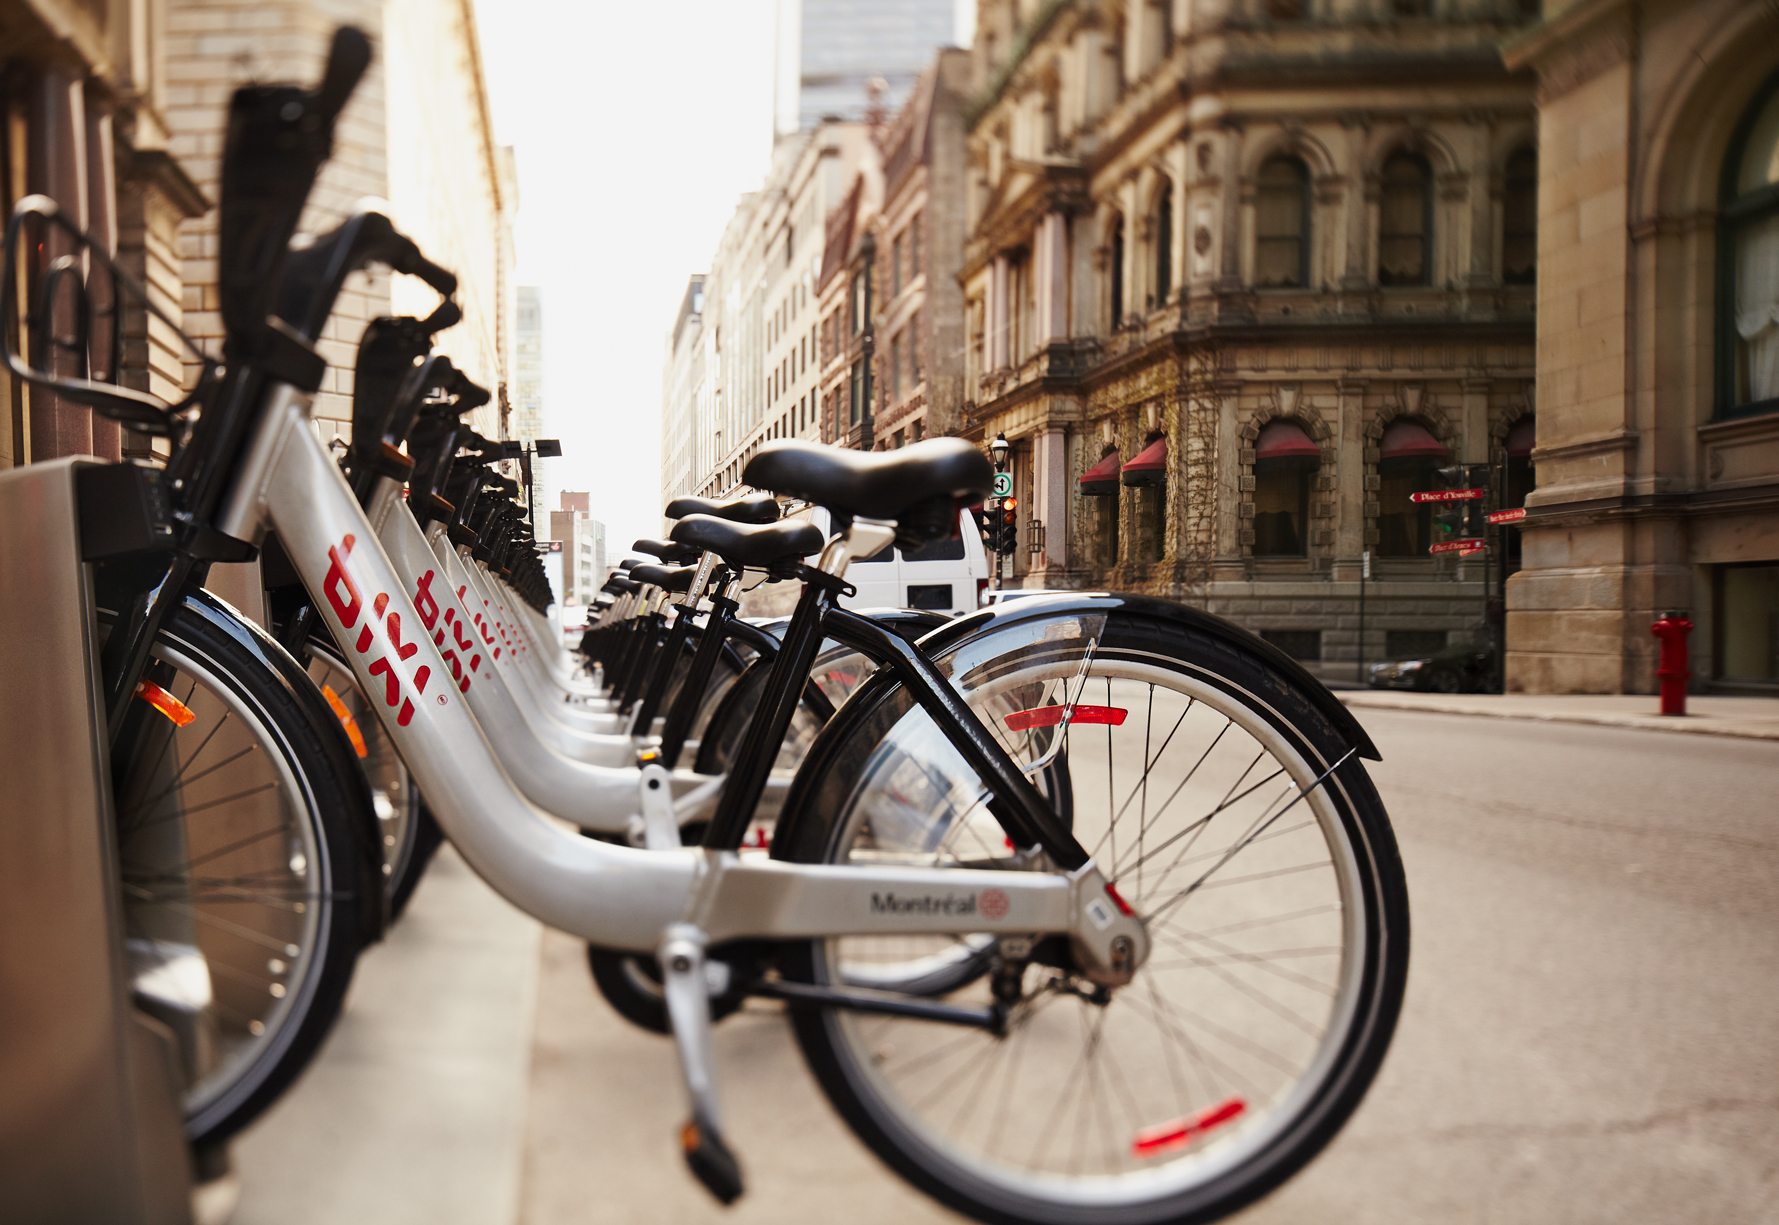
(622, 585)
(666, 550)
(754, 508)
(744, 544)
(873, 484)
(667, 578)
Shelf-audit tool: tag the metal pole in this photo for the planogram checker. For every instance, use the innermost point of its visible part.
(1364, 573)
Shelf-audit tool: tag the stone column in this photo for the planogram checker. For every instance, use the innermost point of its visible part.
(1050, 489)
(1351, 494)
(997, 314)
(1050, 265)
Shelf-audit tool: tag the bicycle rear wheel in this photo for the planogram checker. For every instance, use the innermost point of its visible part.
(1228, 814)
(243, 878)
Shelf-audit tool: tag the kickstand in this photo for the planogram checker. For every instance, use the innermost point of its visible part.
(688, 1008)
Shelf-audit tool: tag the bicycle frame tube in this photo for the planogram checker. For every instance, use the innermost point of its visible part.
(614, 896)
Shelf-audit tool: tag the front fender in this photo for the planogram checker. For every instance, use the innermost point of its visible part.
(948, 637)
(373, 899)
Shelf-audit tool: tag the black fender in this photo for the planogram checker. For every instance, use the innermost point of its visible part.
(373, 901)
(790, 840)
(1012, 612)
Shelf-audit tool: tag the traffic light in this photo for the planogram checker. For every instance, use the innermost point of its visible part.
(1009, 540)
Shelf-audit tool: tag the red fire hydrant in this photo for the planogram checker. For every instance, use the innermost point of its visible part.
(1672, 629)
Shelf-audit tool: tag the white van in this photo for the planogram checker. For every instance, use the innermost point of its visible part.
(948, 575)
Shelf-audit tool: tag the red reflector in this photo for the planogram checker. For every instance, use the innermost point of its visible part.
(1119, 898)
(346, 721)
(1153, 1141)
(1050, 716)
(166, 703)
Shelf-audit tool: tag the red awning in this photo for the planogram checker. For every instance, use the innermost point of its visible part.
(1521, 437)
(1101, 479)
(1150, 465)
(1409, 440)
(1285, 439)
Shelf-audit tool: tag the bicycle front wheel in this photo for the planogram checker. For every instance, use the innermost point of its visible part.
(1233, 820)
(242, 876)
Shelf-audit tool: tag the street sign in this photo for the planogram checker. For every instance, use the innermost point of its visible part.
(1003, 484)
(1476, 548)
(1508, 516)
(1448, 495)
(1456, 546)
(1365, 564)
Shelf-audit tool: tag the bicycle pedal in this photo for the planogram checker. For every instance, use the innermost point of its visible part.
(711, 1162)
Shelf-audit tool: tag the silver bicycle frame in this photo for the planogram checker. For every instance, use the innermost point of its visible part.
(613, 896)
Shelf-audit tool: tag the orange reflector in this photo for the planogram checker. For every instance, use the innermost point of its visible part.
(346, 720)
(1153, 1141)
(166, 703)
(1050, 716)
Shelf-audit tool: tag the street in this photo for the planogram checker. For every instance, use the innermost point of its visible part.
(1588, 1034)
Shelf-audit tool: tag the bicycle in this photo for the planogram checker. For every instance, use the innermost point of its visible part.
(915, 858)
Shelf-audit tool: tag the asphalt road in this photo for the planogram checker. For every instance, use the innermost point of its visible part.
(1591, 1032)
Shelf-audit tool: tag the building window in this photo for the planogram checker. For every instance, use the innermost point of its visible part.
(861, 299)
(1286, 460)
(913, 334)
(1282, 224)
(1748, 623)
(914, 247)
(1405, 221)
(894, 372)
(1519, 219)
(896, 267)
(1164, 245)
(1748, 297)
(918, 430)
(1117, 272)
(1409, 457)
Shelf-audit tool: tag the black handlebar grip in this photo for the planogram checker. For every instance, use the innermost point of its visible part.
(347, 61)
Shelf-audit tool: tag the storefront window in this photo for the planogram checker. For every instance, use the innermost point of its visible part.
(1748, 300)
(1409, 461)
(1286, 461)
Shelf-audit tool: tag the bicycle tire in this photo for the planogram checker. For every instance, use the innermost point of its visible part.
(249, 961)
(1230, 1098)
(408, 833)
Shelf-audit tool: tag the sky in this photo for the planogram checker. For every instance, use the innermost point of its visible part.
(636, 127)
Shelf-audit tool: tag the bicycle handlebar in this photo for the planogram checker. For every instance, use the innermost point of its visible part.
(315, 274)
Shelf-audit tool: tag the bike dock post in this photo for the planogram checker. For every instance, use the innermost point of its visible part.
(91, 1125)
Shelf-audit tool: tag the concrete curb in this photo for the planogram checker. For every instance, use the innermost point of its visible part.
(1490, 706)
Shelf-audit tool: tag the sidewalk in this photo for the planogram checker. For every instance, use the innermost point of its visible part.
(1749, 718)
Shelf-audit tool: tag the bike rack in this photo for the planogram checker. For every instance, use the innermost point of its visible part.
(91, 1125)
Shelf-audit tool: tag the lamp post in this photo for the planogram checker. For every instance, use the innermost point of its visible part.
(997, 451)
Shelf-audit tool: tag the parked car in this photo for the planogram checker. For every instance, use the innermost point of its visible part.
(1461, 667)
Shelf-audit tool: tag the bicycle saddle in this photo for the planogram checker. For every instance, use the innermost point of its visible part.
(621, 585)
(757, 545)
(873, 484)
(630, 563)
(754, 508)
(666, 550)
(667, 578)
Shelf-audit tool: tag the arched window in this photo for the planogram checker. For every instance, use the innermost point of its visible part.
(1164, 245)
(1405, 221)
(1748, 264)
(1117, 272)
(1282, 224)
(1519, 219)
(1409, 457)
(1147, 475)
(1286, 460)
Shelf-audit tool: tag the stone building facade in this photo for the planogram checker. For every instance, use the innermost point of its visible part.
(1256, 269)
(1658, 347)
(918, 242)
(745, 367)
